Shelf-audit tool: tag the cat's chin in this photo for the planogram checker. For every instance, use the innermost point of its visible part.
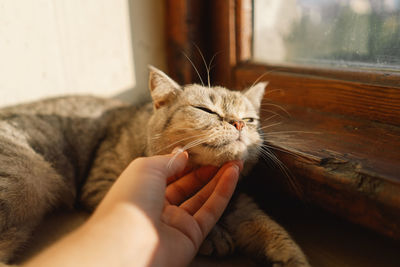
(216, 157)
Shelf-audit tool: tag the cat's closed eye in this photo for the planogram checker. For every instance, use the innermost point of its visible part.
(206, 110)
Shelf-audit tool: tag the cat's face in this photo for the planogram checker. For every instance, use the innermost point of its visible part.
(214, 125)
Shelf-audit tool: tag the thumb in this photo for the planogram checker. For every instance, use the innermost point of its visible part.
(144, 181)
(166, 166)
(149, 179)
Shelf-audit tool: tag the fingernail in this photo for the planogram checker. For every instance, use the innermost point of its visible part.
(236, 168)
(177, 149)
(238, 164)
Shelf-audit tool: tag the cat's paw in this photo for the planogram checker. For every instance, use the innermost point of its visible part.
(218, 242)
(295, 261)
(291, 264)
(286, 254)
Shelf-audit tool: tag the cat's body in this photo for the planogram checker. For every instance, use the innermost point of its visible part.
(59, 151)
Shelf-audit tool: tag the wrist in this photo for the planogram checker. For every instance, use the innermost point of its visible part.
(121, 236)
(136, 233)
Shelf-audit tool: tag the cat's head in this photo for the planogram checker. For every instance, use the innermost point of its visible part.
(214, 125)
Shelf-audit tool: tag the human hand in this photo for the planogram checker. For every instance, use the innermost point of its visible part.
(183, 210)
(152, 215)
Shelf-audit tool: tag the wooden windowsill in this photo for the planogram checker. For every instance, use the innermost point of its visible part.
(346, 165)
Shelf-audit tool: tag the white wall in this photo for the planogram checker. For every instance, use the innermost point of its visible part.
(102, 47)
(147, 25)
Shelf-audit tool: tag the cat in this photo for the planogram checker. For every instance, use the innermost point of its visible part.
(60, 151)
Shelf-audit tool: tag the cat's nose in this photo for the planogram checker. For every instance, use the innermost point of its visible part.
(238, 125)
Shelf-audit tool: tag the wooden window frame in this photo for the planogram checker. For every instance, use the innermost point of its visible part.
(349, 162)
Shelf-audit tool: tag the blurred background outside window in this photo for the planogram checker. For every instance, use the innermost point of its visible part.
(331, 33)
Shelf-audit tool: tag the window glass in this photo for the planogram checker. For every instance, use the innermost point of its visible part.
(339, 33)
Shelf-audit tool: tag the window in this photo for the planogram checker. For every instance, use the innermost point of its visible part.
(343, 97)
(343, 34)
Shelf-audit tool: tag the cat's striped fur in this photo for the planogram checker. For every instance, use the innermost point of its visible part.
(71, 149)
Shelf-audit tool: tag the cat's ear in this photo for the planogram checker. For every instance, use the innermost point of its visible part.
(162, 88)
(255, 94)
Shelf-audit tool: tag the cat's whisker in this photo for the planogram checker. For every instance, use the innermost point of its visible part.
(187, 138)
(191, 62)
(156, 136)
(290, 178)
(292, 182)
(205, 64)
(191, 145)
(184, 133)
(271, 111)
(267, 159)
(284, 142)
(211, 61)
(273, 91)
(276, 106)
(271, 117)
(291, 132)
(268, 155)
(195, 143)
(211, 66)
(285, 138)
(171, 161)
(199, 141)
(281, 140)
(280, 137)
(271, 125)
(180, 140)
(261, 76)
(279, 149)
(198, 127)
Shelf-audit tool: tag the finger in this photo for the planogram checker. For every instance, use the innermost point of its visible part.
(193, 204)
(185, 187)
(143, 182)
(208, 215)
(187, 170)
(164, 166)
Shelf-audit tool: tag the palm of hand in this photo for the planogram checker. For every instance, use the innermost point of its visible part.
(192, 206)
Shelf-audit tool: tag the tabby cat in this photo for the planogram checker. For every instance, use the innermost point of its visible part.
(71, 149)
